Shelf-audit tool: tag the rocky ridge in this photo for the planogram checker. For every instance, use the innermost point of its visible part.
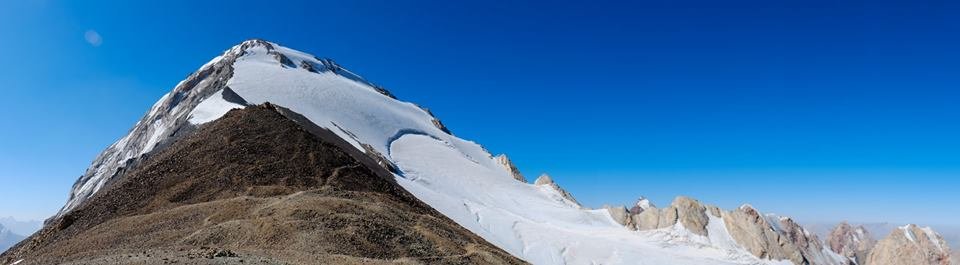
(170, 118)
(854, 243)
(546, 181)
(781, 238)
(910, 244)
(259, 185)
(510, 167)
(765, 237)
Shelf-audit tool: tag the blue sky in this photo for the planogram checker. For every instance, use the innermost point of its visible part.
(818, 110)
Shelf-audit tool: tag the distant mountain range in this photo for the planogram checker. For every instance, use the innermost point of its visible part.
(950, 233)
(21, 227)
(8, 238)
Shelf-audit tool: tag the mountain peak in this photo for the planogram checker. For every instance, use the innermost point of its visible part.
(547, 181)
(852, 242)
(245, 74)
(911, 244)
(408, 145)
(260, 184)
(641, 205)
(510, 167)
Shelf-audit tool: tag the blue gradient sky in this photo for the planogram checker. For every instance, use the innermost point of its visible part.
(822, 111)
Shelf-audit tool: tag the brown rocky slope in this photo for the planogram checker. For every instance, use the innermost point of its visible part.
(257, 186)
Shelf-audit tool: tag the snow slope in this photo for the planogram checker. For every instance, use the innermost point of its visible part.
(535, 223)
(457, 177)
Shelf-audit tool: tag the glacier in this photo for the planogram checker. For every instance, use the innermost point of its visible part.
(459, 178)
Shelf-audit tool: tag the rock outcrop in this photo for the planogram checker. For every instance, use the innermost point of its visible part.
(781, 238)
(685, 211)
(645, 215)
(765, 236)
(910, 245)
(546, 180)
(641, 205)
(507, 164)
(169, 118)
(750, 229)
(809, 244)
(854, 243)
(621, 215)
(688, 212)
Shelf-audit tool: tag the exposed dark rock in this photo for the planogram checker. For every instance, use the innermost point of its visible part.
(255, 185)
(436, 122)
(384, 91)
(230, 96)
(282, 59)
(113, 161)
(308, 66)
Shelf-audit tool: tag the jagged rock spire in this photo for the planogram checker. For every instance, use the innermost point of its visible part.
(510, 167)
(641, 205)
(546, 180)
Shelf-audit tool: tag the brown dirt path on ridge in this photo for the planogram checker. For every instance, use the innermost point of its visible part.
(258, 186)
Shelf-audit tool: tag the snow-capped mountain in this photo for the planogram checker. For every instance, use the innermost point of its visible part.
(854, 243)
(911, 244)
(21, 227)
(8, 238)
(538, 222)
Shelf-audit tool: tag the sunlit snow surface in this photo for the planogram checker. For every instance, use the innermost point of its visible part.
(535, 224)
(461, 179)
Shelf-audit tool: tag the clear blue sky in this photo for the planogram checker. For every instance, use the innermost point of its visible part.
(822, 111)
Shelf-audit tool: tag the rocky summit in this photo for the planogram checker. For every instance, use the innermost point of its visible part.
(852, 242)
(913, 245)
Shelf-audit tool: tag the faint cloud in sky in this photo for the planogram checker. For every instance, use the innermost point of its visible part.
(93, 38)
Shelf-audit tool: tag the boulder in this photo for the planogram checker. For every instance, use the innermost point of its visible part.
(647, 220)
(691, 214)
(620, 215)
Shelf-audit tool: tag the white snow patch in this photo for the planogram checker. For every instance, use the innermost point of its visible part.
(774, 221)
(212, 108)
(908, 233)
(718, 233)
(157, 134)
(643, 203)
